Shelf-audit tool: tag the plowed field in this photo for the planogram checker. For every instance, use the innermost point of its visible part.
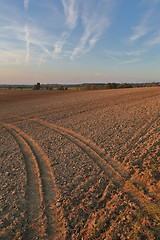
(80, 164)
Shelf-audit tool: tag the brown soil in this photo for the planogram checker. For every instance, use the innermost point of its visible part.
(80, 164)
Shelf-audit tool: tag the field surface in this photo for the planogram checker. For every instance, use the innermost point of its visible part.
(80, 164)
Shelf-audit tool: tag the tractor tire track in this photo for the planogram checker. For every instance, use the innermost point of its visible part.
(42, 192)
(88, 148)
(93, 152)
(34, 193)
(130, 144)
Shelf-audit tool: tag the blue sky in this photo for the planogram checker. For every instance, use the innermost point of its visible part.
(76, 41)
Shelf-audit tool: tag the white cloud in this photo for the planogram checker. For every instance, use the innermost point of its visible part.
(135, 52)
(36, 40)
(144, 27)
(139, 32)
(59, 44)
(26, 4)
(11, 57)
(154, 41)
(138, 52)
(95, 21)
(125, 57)
(27, 40)
(42, 59)
(58, 49)
(71, 12)
(12, 43)
(130, 61)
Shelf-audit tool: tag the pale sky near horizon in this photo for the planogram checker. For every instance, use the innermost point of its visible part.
(77, 41)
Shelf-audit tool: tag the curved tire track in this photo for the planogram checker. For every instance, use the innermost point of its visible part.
(95, 154)
(89, 148)
(137, 136)
(34, 193)
(41, 189)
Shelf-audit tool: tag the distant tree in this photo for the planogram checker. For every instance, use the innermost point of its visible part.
(47, 87)
(126, 85)
(50, 88)
(93, 87)
(37, 86)
(111, 85)
(19, 88)
(61, 88)
(34, 87)
(86, 86)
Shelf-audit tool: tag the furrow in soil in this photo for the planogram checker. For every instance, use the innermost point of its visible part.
(49, 192)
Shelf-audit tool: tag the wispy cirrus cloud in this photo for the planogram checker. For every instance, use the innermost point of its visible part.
(144, 27)
(130, 61)
(117, 54)
(12, 42)
(95, 21)
(59, 44)
(27, 41)
(125, 57)
(41, 47)
(154, 41)
(71, 12)
(12, 57)
(139, 32)
(26, 4)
